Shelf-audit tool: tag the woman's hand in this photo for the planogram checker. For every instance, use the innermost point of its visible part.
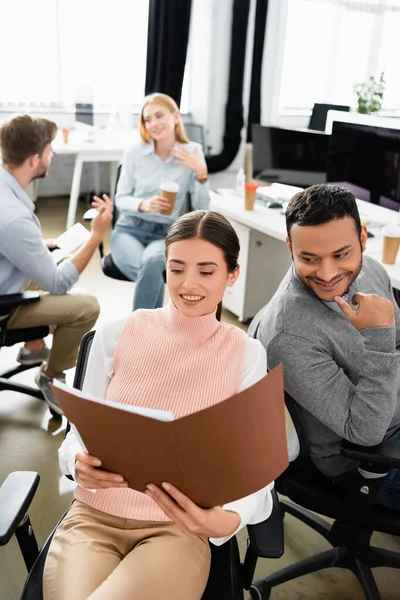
(155, 204)
(88, 474)
(191, 160)
(212, 522)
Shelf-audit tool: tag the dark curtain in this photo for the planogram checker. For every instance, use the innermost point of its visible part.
(167, 41)
(234, 106)
(256, 70)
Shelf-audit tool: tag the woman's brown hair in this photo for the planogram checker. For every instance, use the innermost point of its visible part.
(211, 227)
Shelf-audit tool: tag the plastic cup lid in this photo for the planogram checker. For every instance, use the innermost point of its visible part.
(391, 230)
(170, 186)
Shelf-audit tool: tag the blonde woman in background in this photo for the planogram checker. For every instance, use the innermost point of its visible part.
(163, 154)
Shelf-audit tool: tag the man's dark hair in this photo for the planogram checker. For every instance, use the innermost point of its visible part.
(320, 204)
(24, 136)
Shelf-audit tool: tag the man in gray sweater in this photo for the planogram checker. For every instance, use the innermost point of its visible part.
(335, 326)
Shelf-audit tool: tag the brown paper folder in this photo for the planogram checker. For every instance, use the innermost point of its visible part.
(214, 456)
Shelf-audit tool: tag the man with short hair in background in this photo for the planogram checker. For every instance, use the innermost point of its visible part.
(26, 153)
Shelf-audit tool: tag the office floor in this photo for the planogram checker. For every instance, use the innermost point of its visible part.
(29, 440)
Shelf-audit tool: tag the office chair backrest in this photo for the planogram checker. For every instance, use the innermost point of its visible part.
(302, 462)
(319, 114)
(83, 358)
(81, 366)
(195, 133)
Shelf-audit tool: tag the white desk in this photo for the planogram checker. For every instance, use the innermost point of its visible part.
(264, 258)
(96, 146)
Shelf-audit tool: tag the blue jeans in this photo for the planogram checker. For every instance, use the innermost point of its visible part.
(389, 494)
(139, 252)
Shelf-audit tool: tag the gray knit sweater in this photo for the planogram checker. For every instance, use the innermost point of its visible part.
(346, 382)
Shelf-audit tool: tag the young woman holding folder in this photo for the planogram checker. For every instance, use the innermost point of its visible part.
(116, 542)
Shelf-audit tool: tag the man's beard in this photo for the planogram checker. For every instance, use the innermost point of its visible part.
(40, 175)
(351, 275)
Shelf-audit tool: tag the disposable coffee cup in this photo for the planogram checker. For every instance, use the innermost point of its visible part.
(250, 190)
(169, 191)
(65, 134)
(390, 243)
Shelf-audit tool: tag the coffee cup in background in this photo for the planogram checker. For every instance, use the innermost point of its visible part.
(65, 134)
(250, 190)
(169, 191)
(390, 243)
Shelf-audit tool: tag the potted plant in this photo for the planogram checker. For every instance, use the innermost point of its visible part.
(370, 95)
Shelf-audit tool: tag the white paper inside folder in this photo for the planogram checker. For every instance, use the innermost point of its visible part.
(277, 192)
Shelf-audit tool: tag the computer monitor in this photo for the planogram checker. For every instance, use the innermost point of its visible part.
(293, 156)
(320, 112)
(366, 156)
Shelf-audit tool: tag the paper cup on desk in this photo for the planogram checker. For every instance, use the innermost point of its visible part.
(250, 190)
(169, 191)
(390, 243)
(65, 134)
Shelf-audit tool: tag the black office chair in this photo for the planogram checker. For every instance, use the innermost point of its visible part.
(9, 337)
(320, 112)
(355, 515)
(108, 266)
(227, 575)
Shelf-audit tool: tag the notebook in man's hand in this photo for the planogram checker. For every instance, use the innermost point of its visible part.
(214, 456)
(70, 241)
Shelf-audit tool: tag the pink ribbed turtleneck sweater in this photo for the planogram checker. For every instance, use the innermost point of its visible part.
(168, 361)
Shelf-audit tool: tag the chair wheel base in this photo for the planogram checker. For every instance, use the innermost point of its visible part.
(257, 594)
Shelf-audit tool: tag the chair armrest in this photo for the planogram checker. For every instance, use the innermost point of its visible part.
(387, 453)
(266, 538)
(16, 495)
(10, 301)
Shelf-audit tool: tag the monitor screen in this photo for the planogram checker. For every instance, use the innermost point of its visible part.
(277, 150)
(366, 156)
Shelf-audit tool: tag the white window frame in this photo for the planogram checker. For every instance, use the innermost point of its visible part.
(274, 49)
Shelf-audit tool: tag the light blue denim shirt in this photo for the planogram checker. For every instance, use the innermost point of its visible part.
(23, 254)
(141, 175)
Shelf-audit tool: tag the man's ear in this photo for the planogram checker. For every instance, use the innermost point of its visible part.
(32, 161)
(289, 244)
(363, 237)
